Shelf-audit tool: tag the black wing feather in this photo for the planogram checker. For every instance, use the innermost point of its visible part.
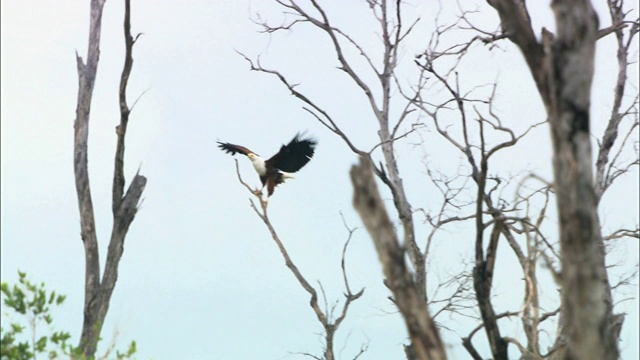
(233, 149)
(293, 156)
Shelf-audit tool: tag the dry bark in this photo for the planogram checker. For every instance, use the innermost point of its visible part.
(125, 206)
(562, 67)
(425, 338)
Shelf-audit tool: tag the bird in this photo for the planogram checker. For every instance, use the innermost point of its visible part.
(281, 166)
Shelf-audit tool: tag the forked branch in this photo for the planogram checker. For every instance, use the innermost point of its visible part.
(124, 205)
(324, 317)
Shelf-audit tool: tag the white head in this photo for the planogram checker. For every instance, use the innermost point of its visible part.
(258, 164)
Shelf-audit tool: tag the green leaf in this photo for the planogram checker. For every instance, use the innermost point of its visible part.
(41, 344)
(60, 299)
(60, 337)
(34, 302)
(16, 328)
(75, 352)
(53, 354)
(130, 351)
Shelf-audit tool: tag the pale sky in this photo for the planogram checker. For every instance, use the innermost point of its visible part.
(200, 277)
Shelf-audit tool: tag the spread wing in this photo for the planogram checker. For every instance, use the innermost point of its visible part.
(293, 156)
(233, 149)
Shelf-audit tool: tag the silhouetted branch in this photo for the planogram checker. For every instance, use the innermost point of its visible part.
(604, 176)
(324, 317)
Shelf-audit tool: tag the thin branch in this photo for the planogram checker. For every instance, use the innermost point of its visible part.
(466, 341)
(324, 317)
(621, 233)
(325, 120)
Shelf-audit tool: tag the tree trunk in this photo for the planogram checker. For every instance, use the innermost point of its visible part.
(563, 68)
(425, 338)
(125, 206)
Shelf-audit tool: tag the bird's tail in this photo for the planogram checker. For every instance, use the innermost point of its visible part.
(286, 175)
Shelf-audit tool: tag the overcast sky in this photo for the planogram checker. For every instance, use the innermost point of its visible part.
(200, 277)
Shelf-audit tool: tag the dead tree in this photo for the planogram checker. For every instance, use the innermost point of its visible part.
(330, 323)
(124, 205)
(425, 338)
(488, 210)
(562, 66)
(537, 247)
(469, 123)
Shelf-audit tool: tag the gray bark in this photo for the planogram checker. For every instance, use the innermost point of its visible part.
(98, 292)
(562, 67)
(425, 338)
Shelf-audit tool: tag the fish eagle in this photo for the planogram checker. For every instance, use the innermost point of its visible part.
(281, 166)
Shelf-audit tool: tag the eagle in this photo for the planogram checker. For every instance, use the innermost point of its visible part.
(281, 166)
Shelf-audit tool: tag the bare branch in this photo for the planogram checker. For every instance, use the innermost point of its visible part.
(325, 120)
(424, 336)
(322, 23)
(324, 317)
(516, 24)
(620, 233)
(603, 177)
(466, 341)
(125, 205)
